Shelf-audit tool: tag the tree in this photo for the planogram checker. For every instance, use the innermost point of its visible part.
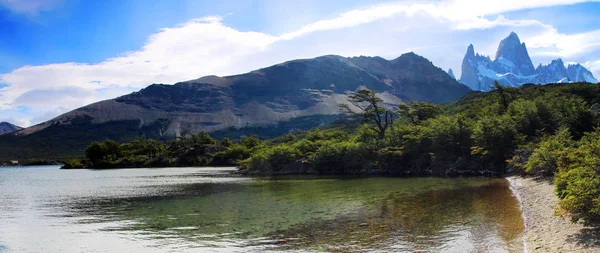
(100, 153)
(370, 110)
(503, 94)
(418, 111)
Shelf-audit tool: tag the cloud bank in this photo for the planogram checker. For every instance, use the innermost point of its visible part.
(439, 31)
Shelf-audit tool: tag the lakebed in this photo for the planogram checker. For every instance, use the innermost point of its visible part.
(215, 210)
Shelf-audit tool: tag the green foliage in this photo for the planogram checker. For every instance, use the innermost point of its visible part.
(273, 159)
(76, 163)
(226, 142)
(343, 158)
(526, 117)
(232, 155)
(250, 142)
(61, 141)
(370, 109)
(103, 153)
(365, 134)
(544, 159)
(194, 150)
(494, 140)
(418, 112)
(578, 179)
(538, 129)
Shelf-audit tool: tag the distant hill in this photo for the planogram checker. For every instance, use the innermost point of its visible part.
(306, 89)
(6, 127)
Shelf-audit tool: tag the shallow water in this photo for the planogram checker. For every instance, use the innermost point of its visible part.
(44, 209)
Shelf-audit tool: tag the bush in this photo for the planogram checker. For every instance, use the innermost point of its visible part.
(493, 139)
(578, 179)
(232, 155)
(526, 116)
(579, 193)
(544, 159)
(333, 134)
(271, 159)
(307, 148)
(103, 154)
(343, 158)
(76, 163)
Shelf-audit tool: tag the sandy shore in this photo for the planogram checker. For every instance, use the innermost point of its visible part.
(546, 232)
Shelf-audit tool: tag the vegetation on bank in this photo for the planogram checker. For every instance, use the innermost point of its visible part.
(194, 150)
(544, 130)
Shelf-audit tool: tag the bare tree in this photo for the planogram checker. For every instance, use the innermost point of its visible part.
(370, 110)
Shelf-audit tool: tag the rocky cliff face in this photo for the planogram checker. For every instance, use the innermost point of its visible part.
(512, 66)
(451, 73)
(555, 72)
(512, 56)
(281, 92)
(576, 72)
(6, 127)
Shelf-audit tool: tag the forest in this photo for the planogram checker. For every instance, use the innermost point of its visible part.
(544, 130)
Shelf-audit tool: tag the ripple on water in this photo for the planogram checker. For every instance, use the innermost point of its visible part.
(201, 209)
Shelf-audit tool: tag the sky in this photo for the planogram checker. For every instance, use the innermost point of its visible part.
(58, 55)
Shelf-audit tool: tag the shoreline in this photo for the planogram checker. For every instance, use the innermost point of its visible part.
(544, 231)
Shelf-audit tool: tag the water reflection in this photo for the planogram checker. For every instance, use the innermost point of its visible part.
(195, 209)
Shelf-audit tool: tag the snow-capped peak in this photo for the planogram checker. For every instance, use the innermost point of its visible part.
(512, 66)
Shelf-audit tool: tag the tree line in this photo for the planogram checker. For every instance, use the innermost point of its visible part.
(547, 130)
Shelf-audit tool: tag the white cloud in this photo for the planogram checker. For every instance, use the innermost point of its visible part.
(559, 44)
(438, 31)
(30, 7)
(195, 48)
(593, 66)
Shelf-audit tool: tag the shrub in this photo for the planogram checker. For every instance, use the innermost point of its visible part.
(76, 163)
(579, 193)
(578, 179)
(544, 159)
(232, 155)
(343, 157)
(493, 139)
(250, 141)
(272, 158)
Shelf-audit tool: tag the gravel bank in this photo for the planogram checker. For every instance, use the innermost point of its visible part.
(545, 232)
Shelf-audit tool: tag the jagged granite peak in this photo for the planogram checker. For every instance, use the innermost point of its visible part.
(470, 51)
(578, 73)
(6, 127)
(451, 73)
(470, 68)
(513, 56)
(555, 72)
(513, 67)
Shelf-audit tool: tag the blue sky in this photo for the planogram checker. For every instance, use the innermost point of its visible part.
(57, 55)
(91, 31)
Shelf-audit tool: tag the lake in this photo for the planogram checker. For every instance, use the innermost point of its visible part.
(44, 209)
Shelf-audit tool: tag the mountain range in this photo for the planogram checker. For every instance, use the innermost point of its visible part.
(512, 66)
(6, 127)
(305, 90)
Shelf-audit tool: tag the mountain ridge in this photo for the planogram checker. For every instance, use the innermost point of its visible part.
(6, 128)
(512, 66)
(263, 97)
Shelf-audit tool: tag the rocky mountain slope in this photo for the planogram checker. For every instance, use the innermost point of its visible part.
(512, 66)
(283, 92)
(6, 127)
